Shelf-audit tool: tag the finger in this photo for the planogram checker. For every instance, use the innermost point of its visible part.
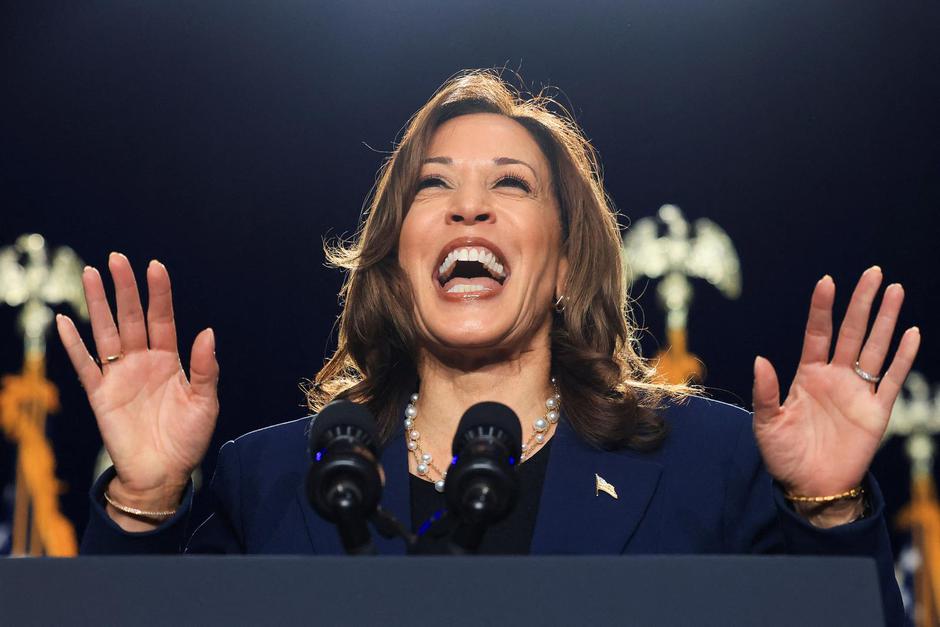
(130, 314)
(766, 391)
(879, 340)
(894, 378)
(107, 340)
(203, 367)
(855, 324)
(88, 371)
(160, 320)
(818, 335)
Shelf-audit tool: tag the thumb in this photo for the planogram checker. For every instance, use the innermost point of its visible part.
(203, 367)
(766, 391)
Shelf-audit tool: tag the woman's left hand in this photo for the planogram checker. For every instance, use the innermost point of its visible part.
(821, 441)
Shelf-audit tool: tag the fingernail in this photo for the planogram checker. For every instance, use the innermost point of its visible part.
(874, 268)
(916, 330)
(212, 339)
(825, 278)
(86, 269)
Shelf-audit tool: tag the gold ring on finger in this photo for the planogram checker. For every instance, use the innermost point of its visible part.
(867, 376)
(110, 359)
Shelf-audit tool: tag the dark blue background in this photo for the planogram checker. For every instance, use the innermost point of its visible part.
(228, 139)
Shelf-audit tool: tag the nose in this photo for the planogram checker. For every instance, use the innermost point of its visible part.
(469, 209)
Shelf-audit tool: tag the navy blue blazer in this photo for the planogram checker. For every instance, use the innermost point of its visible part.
(704, 491)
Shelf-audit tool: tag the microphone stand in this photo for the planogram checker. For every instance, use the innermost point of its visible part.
(346, 503)
(477, 514)
(464, 529)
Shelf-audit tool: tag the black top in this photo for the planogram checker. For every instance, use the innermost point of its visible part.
(511, 536)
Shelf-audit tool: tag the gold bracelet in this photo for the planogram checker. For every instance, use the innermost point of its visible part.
(137, 512)
(844, 496)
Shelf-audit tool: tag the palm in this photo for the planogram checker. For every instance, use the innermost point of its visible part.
(149, 414)
(824, 436)
(155, 424)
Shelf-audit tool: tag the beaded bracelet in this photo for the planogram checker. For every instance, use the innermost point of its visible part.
(133, 511)
(844, 496)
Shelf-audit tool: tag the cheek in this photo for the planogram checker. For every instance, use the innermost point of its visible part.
(543, 247)
(411, 241)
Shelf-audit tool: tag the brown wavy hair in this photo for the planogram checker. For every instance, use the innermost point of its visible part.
(609, 392)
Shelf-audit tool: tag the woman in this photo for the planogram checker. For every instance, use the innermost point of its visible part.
(487, 269)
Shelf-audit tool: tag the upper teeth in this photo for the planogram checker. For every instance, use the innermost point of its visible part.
(486, 257)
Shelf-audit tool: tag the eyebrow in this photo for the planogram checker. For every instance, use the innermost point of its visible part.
(496, 161)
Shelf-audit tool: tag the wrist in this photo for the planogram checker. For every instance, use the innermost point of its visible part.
(832, 514)
(119, 500)
(161, 498)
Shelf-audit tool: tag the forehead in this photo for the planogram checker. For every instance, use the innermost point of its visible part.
(485, 136)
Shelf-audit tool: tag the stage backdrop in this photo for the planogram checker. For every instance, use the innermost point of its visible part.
(229, 139)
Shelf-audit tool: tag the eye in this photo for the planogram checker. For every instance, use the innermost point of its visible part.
(514, 181)
(429, 181)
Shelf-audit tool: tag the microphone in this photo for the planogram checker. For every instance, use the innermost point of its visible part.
(482, 486)
(344, 484)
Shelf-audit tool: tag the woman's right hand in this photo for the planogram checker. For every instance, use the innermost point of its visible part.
(155, 423)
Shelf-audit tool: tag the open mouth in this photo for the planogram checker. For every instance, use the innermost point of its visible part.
(471, 269)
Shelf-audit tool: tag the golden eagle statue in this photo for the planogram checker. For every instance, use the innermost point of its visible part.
(27, 398)
(682, 252)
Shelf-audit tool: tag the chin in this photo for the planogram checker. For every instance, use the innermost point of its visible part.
(469, 334)
(472, 338)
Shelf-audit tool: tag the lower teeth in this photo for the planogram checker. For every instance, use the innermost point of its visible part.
(464, 288)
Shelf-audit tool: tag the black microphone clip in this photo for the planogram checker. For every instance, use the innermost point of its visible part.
(345, 481)
(482, 486)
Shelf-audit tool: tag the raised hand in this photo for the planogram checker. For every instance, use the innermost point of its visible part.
(823, 437)
(155, 423)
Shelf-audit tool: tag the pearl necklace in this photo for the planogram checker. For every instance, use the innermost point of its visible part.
(425, 463)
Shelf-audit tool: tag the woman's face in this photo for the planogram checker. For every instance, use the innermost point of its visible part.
(481, 243)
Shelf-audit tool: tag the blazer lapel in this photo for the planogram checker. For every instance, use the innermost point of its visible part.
(395, 499)
(572, 519)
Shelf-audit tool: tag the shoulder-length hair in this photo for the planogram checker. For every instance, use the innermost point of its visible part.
(608, 389)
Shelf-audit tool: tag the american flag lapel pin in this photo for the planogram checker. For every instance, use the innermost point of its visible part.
(601, 485)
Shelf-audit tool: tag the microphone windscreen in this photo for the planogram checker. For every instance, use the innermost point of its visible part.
(494, 415)
(342, 413)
